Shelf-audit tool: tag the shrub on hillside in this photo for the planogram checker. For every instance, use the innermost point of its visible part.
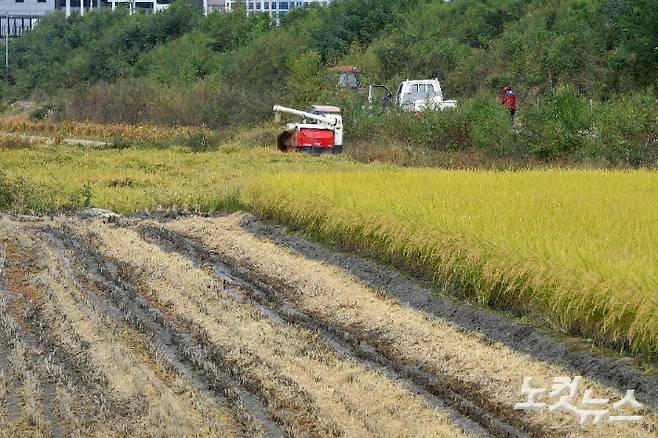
(477, 124)
(147, 102)
(559, 125)
(627, 129)
(489, 125)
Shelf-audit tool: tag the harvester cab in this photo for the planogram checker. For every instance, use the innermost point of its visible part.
(346, 77)
(320, 131)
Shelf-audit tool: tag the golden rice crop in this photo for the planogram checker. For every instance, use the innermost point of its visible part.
(578, 249)
(145, 133)
(135, 179)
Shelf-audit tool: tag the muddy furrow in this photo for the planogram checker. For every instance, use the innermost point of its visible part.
(130, 394)
(182, 353)
(293, 368)
(35, 375)
(247, 287)
(486, 373)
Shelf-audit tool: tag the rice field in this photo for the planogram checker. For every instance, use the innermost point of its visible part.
(57, 177)
(575, 250)
(143, 133)
(170, 323)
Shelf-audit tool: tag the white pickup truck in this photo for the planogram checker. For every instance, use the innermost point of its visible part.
(415, 96)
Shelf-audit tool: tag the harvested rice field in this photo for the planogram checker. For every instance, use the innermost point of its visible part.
(185, 325)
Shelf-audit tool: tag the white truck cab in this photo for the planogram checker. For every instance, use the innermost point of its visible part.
(418, 95)
(415, 96)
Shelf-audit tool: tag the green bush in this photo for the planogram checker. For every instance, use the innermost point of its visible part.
(20, 195)
(489, 124)
(559, 125)
(480, 123)
(627, 129)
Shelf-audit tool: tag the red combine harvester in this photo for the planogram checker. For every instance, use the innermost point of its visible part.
(323, 134)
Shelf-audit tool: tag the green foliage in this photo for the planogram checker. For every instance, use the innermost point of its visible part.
(307, 78)
(479, 123)
(224, 70)
(65, 53)
(560, 124)
(229, 31)
(21, 195)
(41, 112)
(348, 21)
(627, 130)
(489, 124)
(81, 198)
(533, 44)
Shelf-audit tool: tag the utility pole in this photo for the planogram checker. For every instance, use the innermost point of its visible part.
(68, 8)
(7, 46)
(205, 7)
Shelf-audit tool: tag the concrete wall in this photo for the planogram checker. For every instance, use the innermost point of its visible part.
(28, 7)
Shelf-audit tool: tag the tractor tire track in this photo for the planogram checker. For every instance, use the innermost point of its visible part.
(471, 416)
(74, 393)
(617, 373)
(283, 354)
(215, 318)
(184, 353)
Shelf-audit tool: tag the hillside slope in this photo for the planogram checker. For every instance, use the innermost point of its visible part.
(581, 68)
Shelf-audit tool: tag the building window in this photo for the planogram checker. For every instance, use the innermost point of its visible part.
(41, 1)
(283, 5)
(266, 5)
(251, 5)
(273, 5)
(258, 6)
(19, 1)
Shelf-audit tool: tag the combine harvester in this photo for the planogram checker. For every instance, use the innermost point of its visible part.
(324, 134)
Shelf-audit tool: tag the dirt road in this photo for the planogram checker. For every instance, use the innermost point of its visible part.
(227, 326)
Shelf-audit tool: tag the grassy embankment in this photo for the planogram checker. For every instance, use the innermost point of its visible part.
(575, 250)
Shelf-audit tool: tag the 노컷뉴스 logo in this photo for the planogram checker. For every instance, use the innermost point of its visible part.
(564, 395)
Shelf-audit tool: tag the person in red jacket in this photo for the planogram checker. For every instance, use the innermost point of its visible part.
(508, 99)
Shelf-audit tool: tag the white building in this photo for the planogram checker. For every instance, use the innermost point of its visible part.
(273, 8)
(140, 5)
(23, 14)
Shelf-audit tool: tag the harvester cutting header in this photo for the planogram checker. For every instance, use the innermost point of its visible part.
(323, 134)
